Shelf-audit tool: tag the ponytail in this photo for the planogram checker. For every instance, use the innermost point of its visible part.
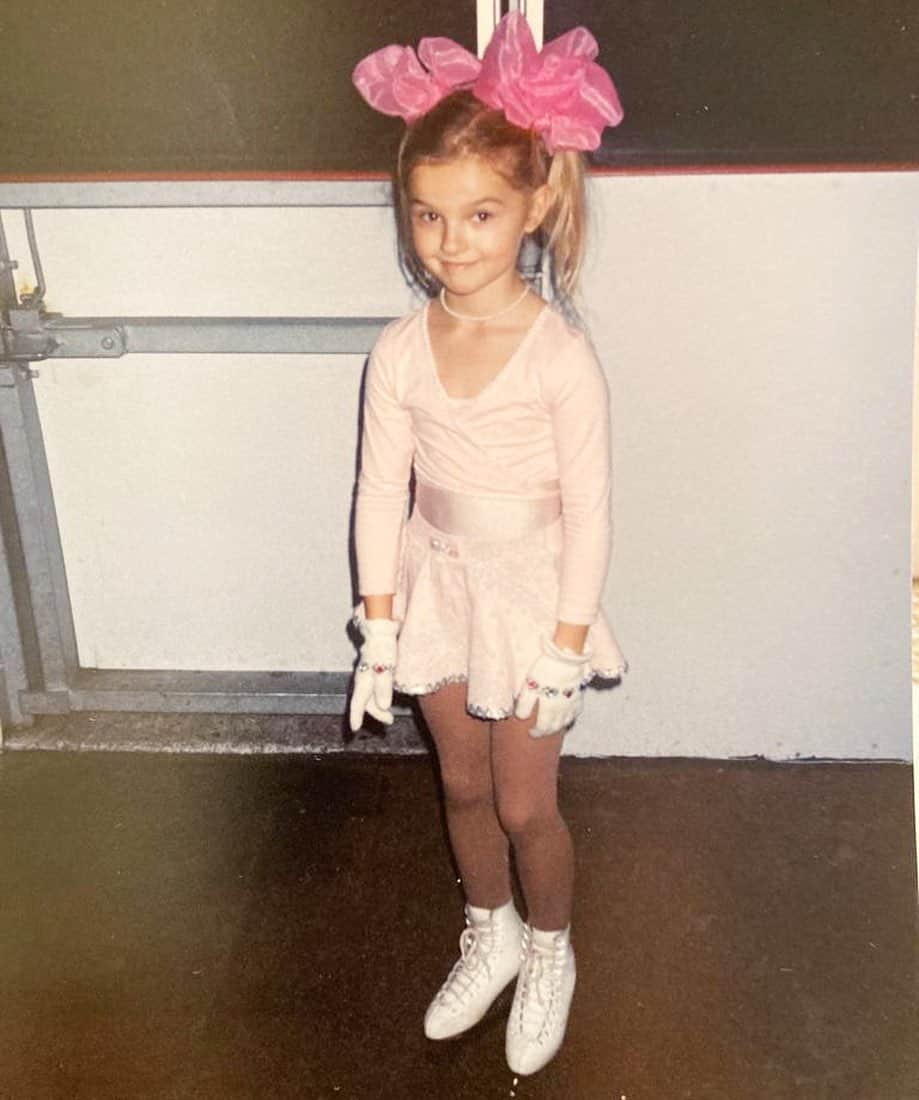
(564, 226)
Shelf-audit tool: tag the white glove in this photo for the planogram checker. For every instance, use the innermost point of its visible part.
(554, 683)
(372, 690)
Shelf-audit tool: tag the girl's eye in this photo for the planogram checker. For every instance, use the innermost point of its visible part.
(427, 216)
(482, 216)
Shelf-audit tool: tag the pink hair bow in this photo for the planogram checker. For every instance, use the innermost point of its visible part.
(393, 81)
(560, 91)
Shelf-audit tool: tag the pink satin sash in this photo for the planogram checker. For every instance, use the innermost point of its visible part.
(468, 516)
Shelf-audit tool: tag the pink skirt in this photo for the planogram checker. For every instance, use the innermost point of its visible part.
(474, 610)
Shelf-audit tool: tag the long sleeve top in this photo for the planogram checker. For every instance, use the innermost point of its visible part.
(539, 427)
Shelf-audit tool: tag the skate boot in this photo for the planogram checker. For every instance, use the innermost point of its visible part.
(489, 961)
(539, 1013)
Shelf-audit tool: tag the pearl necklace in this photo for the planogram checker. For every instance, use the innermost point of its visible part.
(487, 316)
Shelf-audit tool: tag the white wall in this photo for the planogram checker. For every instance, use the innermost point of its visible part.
(915, 500)
(758, 334)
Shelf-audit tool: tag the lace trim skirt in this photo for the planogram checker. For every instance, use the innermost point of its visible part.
(474, 610)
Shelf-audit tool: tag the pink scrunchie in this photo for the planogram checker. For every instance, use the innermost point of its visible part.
(560, 91)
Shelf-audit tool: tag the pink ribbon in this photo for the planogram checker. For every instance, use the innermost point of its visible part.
(393, 81)
(559, 91)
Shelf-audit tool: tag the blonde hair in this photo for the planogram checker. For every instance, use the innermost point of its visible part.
(461, 125)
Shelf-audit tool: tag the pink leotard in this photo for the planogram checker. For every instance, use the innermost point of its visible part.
(539, 427)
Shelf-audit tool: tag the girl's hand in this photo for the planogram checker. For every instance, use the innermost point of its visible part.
(554, 684)
(373, 676)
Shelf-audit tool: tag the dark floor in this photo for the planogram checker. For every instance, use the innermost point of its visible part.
(223, 927)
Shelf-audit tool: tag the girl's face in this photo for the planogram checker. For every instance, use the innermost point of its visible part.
(468, 223)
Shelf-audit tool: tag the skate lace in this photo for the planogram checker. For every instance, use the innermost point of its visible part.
(468, 969)
(541, 982)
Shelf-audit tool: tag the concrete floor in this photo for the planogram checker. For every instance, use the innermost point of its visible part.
(248, 926)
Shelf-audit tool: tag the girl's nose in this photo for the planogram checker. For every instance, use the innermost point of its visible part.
(453, 240)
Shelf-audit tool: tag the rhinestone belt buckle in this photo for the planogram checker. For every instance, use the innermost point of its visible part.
(444, 548)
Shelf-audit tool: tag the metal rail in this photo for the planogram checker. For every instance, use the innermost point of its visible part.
(31, 336)
(132, 193)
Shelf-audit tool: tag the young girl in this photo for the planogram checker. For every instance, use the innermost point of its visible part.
(486, 602)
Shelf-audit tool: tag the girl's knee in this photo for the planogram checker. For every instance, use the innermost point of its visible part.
(521, 817)
(466, 787)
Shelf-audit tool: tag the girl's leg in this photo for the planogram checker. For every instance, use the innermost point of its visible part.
(491, 942)
(463, 748)
(525, 771)
(526, 781)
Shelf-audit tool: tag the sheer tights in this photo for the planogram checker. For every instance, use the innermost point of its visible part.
(500, 788)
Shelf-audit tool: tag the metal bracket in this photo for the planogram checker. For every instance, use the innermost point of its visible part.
(23, 335)
(29, 334)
